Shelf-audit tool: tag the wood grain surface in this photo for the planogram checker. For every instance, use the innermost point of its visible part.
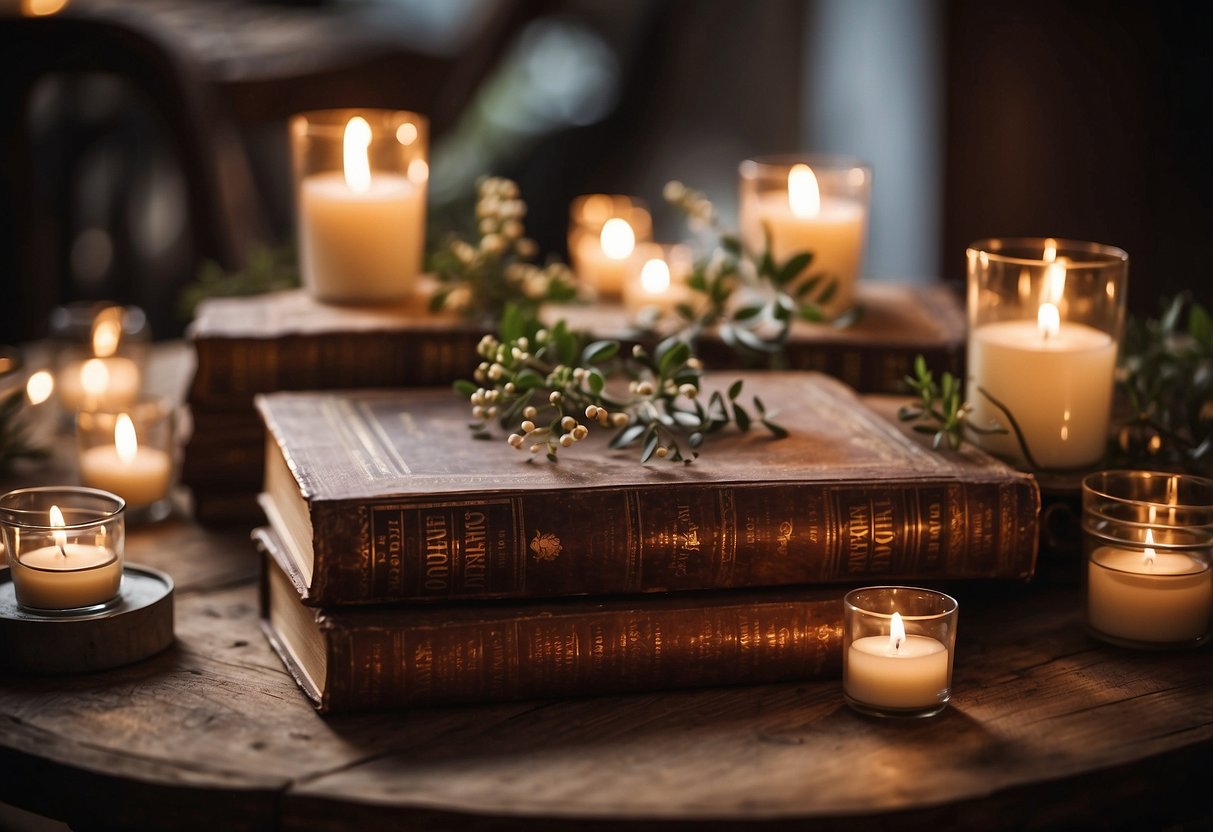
(1047, 729)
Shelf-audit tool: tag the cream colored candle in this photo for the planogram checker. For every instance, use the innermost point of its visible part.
(896, 671)
(99, 383)
(362, 234)
(831, 228)
(1056, 379)
(658, 280)
(606, 262)
(140, 475)
(66, 575)
(1155, 597)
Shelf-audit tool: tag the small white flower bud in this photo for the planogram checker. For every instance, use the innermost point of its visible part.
(495, 371)
(568, 423)
(526, 248)
(510, 389)
(527, 426)
(529, 412)
(555, 397)
(637, 351)
(524, 343)
(662, 451)
(580, 432)
(478, 412)
(515, 440)
(566, 440)
(511, 229)
(619, 419)
(644, 388)
(487, 226)
(541, 336)
(688, 390)
(535, 448)
(491, 412)
(694, 363)
(492, 244)
(591, 411)
(517, 353)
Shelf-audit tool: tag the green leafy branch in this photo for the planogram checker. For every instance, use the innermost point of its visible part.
(942, 412)
(480, 277)
(1167, 377)
(268, 270)
(749, 298)
(550, 387)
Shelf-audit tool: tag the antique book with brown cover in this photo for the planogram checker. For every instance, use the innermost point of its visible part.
(383, 496)
(352, 658)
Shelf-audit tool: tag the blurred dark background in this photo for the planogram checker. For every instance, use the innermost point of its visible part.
(139, 138)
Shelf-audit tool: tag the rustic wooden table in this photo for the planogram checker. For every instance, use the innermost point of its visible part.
(1048, 729)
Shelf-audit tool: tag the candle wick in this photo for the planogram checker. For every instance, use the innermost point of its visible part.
(62, 551)
(896, 645)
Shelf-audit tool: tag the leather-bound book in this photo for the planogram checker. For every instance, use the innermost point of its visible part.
(357, 658)
(384, 496)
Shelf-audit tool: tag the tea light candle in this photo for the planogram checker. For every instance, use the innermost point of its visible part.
(361, 235)
(99, 383)
(140, 475)
(660, 282)
(832, 228)
(1056, 379)
(897, 671)
(66, 575)
(1148, 596)
(606, 262)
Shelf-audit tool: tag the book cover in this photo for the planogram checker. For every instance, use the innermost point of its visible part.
(398, 657)
(288, 341)
(383, 496)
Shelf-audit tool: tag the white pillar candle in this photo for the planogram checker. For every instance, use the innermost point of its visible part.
(1055, 377)
(897, 671)
(138, 474)
(362, 234)
(657, 282)
(605, 263)
(66, 575)
(98, 383)
(832, 228)
(1166, 598)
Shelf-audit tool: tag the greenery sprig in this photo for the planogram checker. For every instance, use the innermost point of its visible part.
(748, 297)
(481, 277)
(1167, 376)
(550, 387)
(942, 412)
(268, 270)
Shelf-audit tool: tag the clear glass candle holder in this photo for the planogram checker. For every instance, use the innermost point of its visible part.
(811, 203)
(897, 649)
(101, 352)
(1045, 320)
(1148, 538)
(361, 178)
(657, 282)
(130, 453)
(64, 548)
(604, 230)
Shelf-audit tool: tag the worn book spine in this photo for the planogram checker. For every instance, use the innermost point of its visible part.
(230, 371)
(393, 658)
(605, 541)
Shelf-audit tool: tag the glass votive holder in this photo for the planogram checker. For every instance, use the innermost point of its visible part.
(657, 282)
(129, 453)
(811, 203)
(102, 348)
(1045, 320)
(603, 232)
(64, 548)
(1148, 538)
(898, 644)
(360, 178)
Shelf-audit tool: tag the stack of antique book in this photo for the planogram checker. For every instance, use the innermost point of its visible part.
(288, 341)
(410, 564)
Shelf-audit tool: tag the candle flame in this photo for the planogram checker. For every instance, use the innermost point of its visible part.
(897, 633)
(59, 535)
(39, 387)
(804, 195)
(94, 377)
(617, 238)
(1149, 553)
(124, 439)
(107, 331)
(1055, 282)
(357, 162)
(1048, 320)
(406, 133)
(655, 277)
(1050, 253)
